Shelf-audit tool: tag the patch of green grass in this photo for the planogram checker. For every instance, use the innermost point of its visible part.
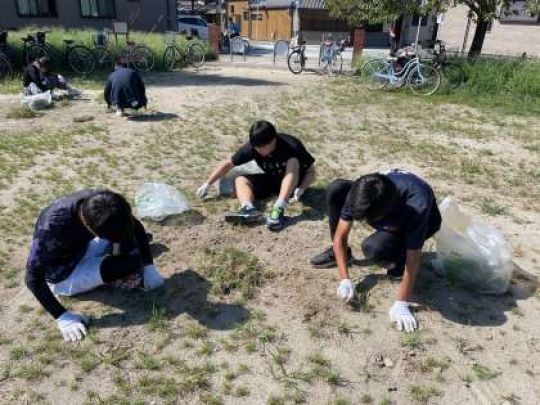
(465, 347)
(31, 371)
(206, 349)
(147, 362)
(196, 331)
(230, 269)
(22, 112)
(430, 364)
(159, 319)
(242, 392)
(484, 373)
(416, 341)
(422, 393)
(163, 387)
(209, 399)
(19, 352)
(490, 207)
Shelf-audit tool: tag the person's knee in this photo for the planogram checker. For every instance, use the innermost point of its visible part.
(373, 250)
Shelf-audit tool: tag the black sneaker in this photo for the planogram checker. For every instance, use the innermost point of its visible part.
(245, 216)
(276, 220)
(395, 274)
(326, 259)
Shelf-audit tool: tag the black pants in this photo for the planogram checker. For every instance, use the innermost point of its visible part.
(380, 246)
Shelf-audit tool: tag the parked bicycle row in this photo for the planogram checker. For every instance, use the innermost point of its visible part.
(84, 60)
(407, 68)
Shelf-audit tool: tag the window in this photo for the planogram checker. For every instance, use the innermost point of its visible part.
(36, 8)
(518, 12)
(246, 16)
(256, 16)
(98, 9)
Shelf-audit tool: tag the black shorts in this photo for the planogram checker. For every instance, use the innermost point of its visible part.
(264, 186)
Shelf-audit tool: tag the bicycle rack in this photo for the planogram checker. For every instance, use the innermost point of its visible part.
(281, 48)
(238, 45)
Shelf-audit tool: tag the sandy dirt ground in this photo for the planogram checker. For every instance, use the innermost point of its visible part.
(291, 341)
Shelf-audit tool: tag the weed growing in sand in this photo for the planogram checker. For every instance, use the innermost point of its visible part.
(22, 112)
(163, 387)
(231, 269)
(484, 373)
(430, 364)
(242, 392)
(422, 393)
(196, 331)
(366, 399)
(465, 347)
(206, 349)
(416, 341)
(147, 362)
(490, 207)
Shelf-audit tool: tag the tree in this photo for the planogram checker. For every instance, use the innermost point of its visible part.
(360, 12)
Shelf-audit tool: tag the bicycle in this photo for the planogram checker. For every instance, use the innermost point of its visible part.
(79, 58)
(331, 52)
(6, 67)
(296, 61)
(421, 78)
(193, 54)
(138, 56)
(452, 72)
(104, 57)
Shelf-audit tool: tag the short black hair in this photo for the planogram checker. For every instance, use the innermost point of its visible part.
(108, 214)
(371, 196)
(262, 133)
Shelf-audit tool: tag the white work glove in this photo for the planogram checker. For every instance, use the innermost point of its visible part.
(345, 290)
(202, 191)
(72, 326)
(297, 194)
(152, 278)
(402, 316)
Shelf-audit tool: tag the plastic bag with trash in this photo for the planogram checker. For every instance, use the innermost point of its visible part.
(157, 201)
(472, 254)
(39, 101)
(225, 186)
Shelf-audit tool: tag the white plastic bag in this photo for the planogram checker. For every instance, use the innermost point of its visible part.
(226, 185)
(156, 201)
(38, 101)
(472, 254)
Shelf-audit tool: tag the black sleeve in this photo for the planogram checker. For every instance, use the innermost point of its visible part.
(32, 75)
(35, 281)
(107, 92)
(304, 157)
(142, 242)
(140, 84)
(243, 155)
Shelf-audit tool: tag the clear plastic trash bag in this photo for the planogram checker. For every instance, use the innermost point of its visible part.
(157, 201)
(472, 254)
(39, 101)
(225, 186)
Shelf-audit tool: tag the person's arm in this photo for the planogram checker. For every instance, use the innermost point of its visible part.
(142, 242)
(107, 92)
(412, 265)
(309, 178)
(35, 281)
(340, 246)
(220, 171)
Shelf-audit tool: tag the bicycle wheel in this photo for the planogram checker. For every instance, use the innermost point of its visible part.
(295, 62)
(34, 52)
(169, 58)
(337, 64)
(142, 58)
(195, 56)
(424, 80)
(454, 75)
(6, 69)
(373, 73)
(81, 59)
(104, 60)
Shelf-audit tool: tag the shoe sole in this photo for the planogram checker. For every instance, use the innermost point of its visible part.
(331, 265)
(275, 227)
(236, 219)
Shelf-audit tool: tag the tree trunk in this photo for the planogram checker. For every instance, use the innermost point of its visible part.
(479, 36)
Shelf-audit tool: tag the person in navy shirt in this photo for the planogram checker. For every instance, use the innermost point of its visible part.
(82, 241)
(402, 208)
(125, 89)
(288, 171)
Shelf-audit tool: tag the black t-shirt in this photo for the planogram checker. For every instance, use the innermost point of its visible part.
(275, 164)
(415, 214)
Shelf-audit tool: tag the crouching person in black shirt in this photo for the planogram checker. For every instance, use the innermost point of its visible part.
(83, 241)
(38, 78)
(403, 210)
(125, 89)
(288, 171)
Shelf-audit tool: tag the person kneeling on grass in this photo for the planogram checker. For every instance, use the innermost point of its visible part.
(83, 241)
(38, 79)
(403, 210)
(288, 171)
(124, 89)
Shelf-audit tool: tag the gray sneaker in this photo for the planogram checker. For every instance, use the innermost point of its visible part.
(245, 216)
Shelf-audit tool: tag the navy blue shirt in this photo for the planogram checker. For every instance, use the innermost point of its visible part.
(125, 89)
(414, 214)
(60, 241)
(275, 164)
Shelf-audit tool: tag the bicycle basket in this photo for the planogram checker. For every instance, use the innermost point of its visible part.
(40, 37)
(100, 39)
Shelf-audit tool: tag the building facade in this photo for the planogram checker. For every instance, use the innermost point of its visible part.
(142, 15)
(515, 32)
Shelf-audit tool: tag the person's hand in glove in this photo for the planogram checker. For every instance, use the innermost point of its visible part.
(345, 290)
(402, 316)
(297, 194)
(202, 191)
(72, 326)
(152, 278)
